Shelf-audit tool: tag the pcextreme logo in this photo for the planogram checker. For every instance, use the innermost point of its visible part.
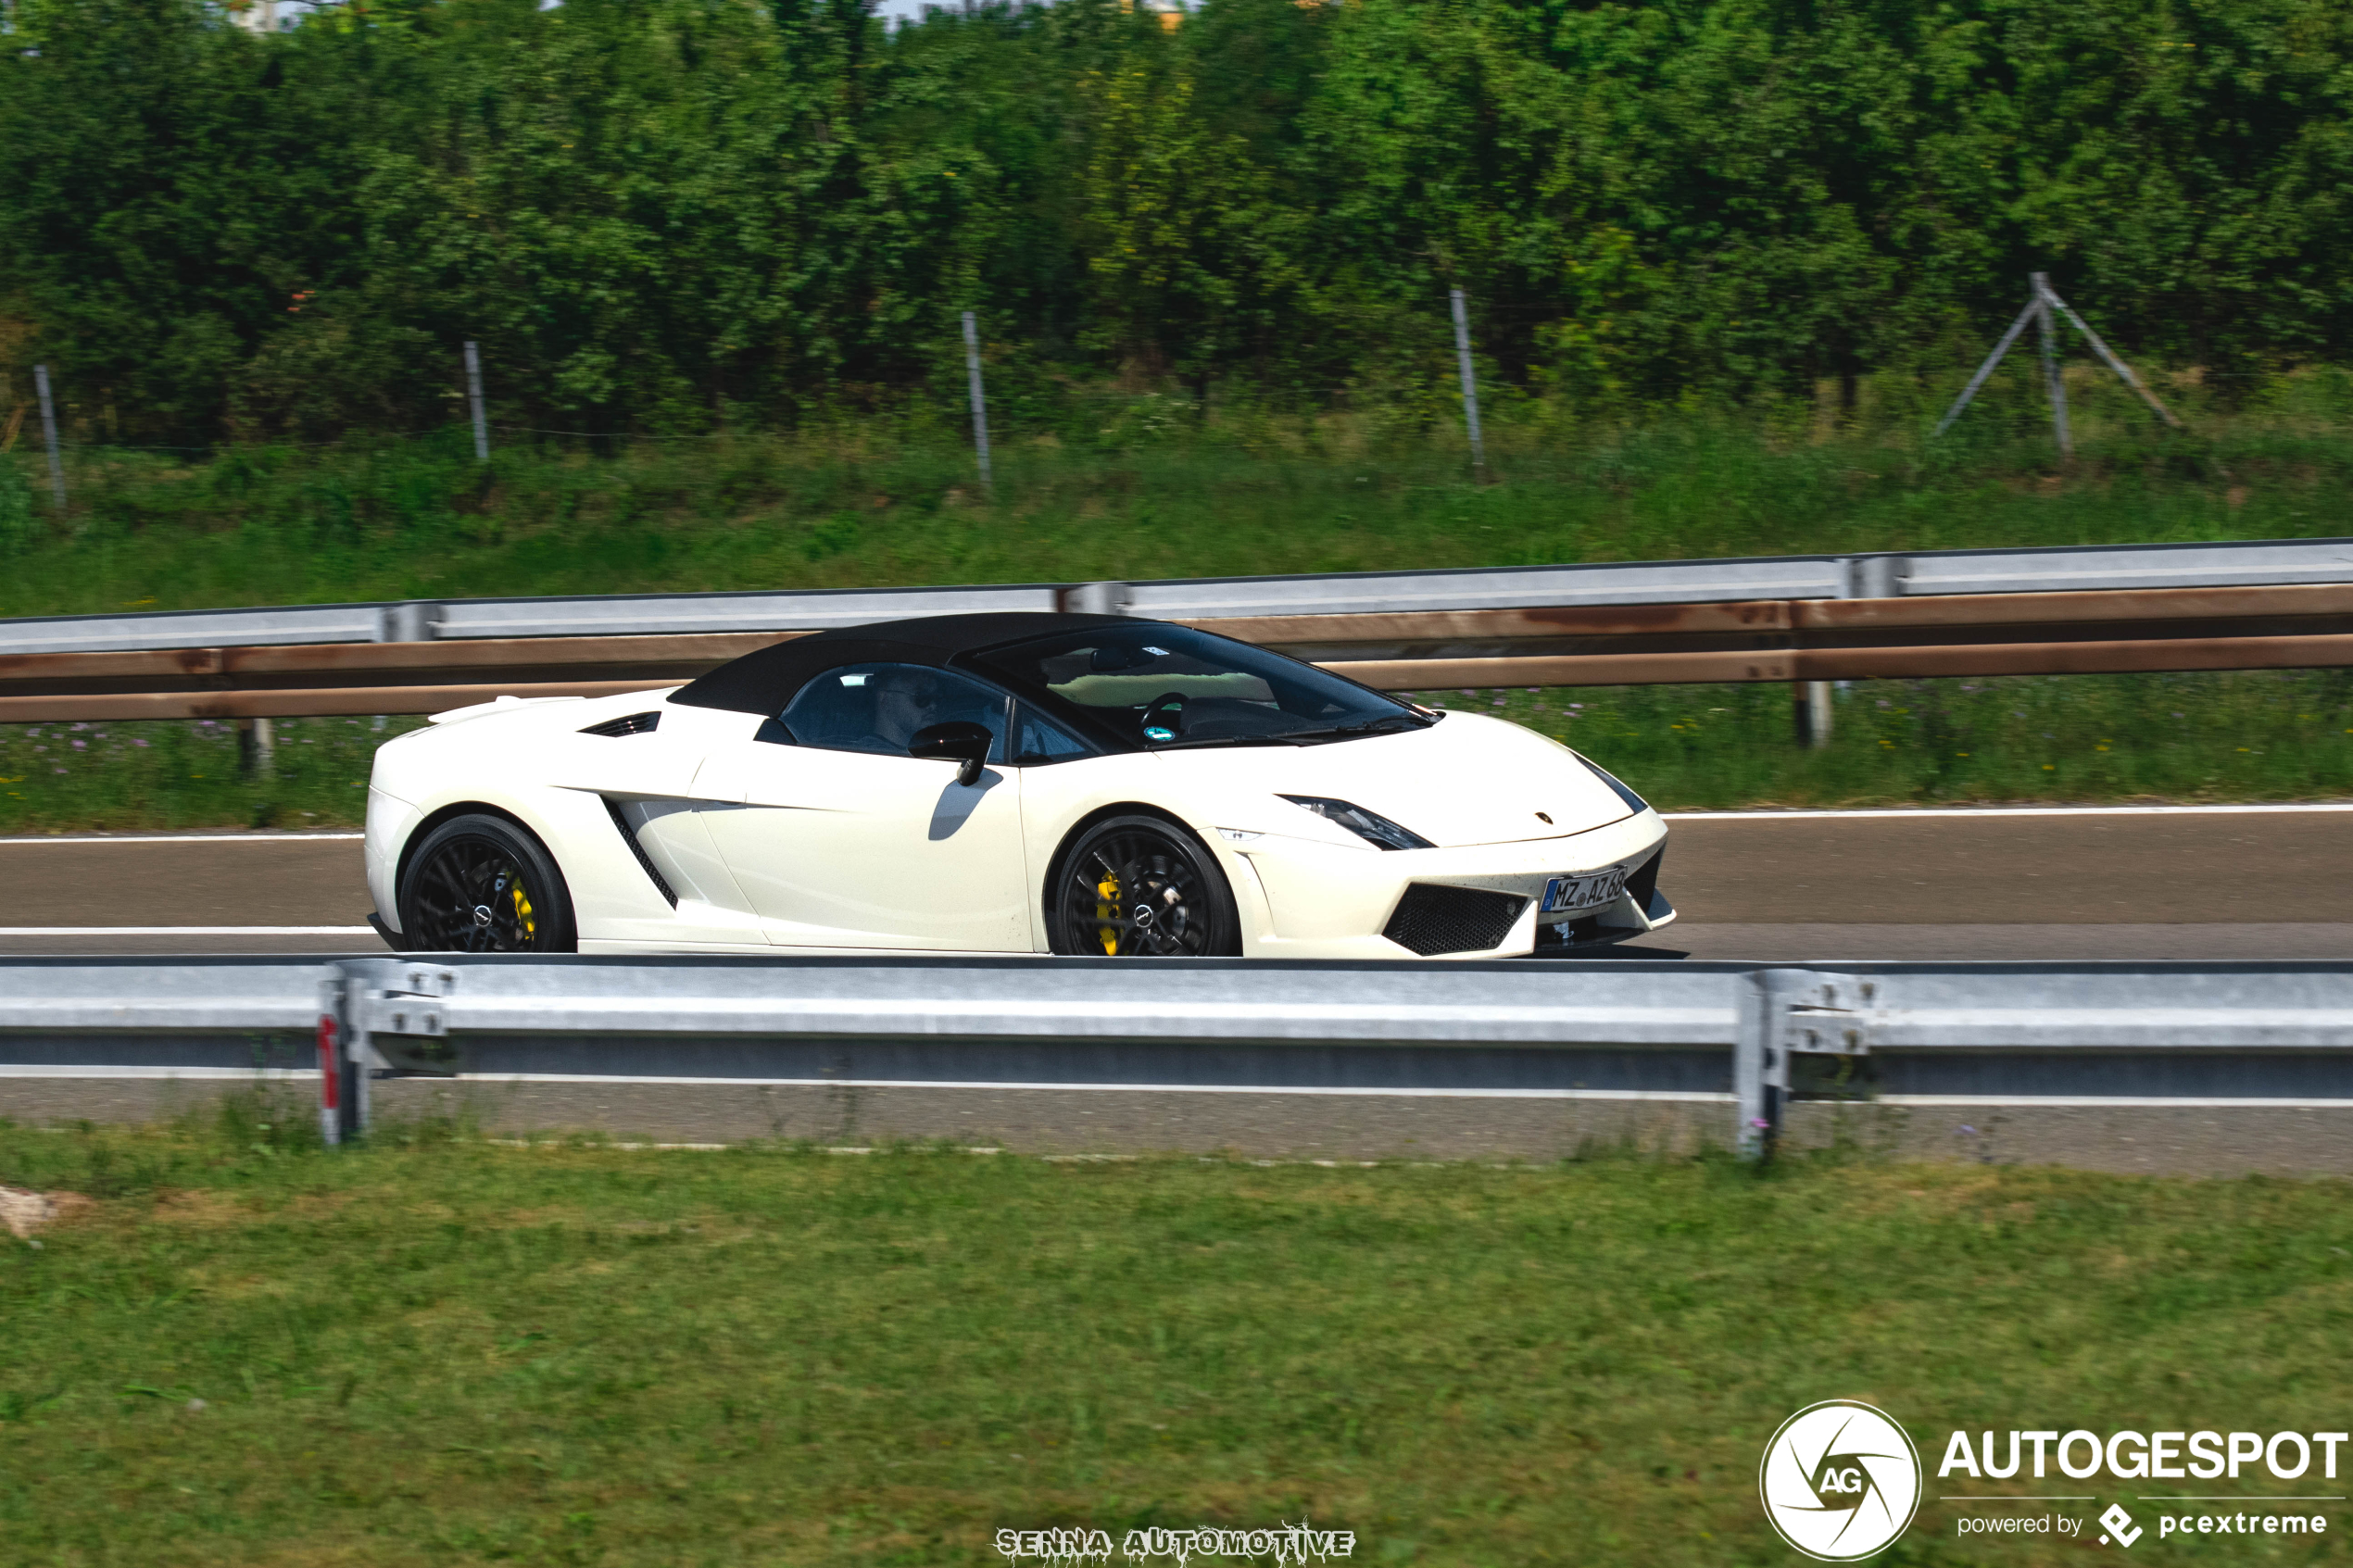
(1840, 1480)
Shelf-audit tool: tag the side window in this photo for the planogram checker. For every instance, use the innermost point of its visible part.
(878, 708)
(1034, 740)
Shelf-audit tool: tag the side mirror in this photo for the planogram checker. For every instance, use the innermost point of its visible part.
(960, 741)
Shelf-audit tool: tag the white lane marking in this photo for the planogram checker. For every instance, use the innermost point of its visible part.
(2279, 809)
(182, 838)
(187, 930)
(2178, 1102)
(13, 1069)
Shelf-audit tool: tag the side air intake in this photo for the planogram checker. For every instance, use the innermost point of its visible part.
(630, 724)
(1431, 919)
(629, 836)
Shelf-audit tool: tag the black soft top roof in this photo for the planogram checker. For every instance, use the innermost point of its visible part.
(763, 680)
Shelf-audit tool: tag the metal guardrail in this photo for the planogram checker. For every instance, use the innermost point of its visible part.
(2091, 567)
(2264, 627)
(1749, 1037)
(411, 621)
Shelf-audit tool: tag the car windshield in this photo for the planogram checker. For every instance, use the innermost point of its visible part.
(1163, 687)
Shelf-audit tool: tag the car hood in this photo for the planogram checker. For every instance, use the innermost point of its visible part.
(1469, 779)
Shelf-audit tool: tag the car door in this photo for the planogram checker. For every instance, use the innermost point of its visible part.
(840, 839)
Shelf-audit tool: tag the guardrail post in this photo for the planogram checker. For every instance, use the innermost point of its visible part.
(1812, 709)
(1757, 1029)
(1760, 1055)
(1803, 1034)
(1094, 598)
(1875, 577)
(334, 1101)
(411, 621)
(1812, 714)
(256, 749)
(359, 1052)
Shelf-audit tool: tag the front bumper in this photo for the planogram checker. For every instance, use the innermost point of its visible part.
(390, 822)
(1302, 898)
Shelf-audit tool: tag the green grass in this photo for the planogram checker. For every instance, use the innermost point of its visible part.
(59, 778)
(2268, 736)
(2254, 735)
(1142, 490)
(444, 1352)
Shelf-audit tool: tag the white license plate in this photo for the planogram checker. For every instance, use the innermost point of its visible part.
(1594, 888)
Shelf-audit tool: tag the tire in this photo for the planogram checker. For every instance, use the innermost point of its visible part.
(1138, 886)
(479, 884)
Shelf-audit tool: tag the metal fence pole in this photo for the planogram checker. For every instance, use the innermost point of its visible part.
(1986, 368)
(2046, 339)
(980, 403)
(49, 434)
(473, 398)
(1470, 383)
(2108, 355)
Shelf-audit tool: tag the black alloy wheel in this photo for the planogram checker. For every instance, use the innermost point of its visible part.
(1142, 887)
(481, 885)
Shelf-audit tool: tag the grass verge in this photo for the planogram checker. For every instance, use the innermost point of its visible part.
(1153, 490)
(108, 776)
(2239, 737)
(256, 1352)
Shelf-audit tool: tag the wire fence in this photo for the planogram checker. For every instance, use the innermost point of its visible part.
(1462, 390)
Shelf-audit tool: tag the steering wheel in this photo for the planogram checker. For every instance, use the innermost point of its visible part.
(1164, 717)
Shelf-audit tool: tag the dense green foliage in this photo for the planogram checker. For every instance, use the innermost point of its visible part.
(685, 215)
(447, 1353)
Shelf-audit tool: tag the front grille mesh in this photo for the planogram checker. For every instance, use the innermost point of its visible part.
(1431, 920)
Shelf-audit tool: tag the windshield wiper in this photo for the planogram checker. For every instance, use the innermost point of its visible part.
(1369, 727)
(1226, 740)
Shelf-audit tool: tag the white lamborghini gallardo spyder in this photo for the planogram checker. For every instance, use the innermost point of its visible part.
(1004, 783)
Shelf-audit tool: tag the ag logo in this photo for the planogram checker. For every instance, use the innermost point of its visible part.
(1840, 1480)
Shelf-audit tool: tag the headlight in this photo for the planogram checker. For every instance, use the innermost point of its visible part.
(1370, 826)
(1633, 802)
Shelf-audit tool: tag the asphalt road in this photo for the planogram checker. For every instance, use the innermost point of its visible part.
(1987, 884)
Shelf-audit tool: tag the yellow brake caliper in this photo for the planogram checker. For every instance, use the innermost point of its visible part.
(1107, 912)
(523, 914)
